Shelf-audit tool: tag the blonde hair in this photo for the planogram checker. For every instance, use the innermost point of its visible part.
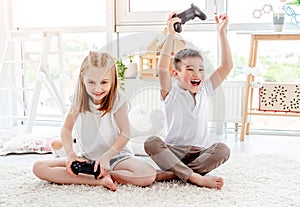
(81, 98)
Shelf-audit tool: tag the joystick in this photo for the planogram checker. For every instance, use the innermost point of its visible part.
(187, 15)
(86, 167)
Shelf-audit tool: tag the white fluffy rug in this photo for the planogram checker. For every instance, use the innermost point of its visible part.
(250, 180)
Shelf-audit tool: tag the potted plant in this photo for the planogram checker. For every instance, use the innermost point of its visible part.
(132, 68)
(278, 15)
(294, 2)
(121, 68)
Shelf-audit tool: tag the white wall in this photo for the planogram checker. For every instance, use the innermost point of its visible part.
(3, 28)
(2, 25)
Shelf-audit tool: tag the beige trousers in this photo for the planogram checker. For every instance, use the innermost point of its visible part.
(183, 160)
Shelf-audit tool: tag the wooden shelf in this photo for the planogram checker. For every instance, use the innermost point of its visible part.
(255, 38)
(269, 113)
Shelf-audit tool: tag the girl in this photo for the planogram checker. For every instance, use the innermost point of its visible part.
(99, 116)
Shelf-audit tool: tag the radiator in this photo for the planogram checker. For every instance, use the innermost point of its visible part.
(227, 105)
(143, 92)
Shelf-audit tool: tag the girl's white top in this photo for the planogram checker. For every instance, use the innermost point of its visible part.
(96, 134)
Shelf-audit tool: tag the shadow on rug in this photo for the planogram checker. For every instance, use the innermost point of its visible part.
(250, 180)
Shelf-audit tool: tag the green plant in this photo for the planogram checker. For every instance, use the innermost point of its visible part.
(131, 58)
(121, 68)
(294, 2)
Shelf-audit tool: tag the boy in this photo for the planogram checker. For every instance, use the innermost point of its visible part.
(182, 154)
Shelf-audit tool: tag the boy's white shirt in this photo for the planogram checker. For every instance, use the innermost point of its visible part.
(188, 122)
(96, 134)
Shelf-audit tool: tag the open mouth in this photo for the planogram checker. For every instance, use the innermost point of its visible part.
(195, 82)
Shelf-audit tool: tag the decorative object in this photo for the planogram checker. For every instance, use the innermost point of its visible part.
(149, 60)
(121, 68)
(279, 97)
(266, 9)
(290, 10)
(279, 10)
(132, 68)
(278, 22)
(295, 17)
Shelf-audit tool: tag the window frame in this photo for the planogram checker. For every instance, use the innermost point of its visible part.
(126, 21)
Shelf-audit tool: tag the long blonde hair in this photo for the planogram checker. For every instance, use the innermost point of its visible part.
(81, 98)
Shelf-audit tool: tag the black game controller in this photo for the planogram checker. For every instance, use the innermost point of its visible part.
(187, 15)
(85, 167)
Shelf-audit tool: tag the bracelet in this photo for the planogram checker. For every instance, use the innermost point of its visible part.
(167, 54)
(171, 35)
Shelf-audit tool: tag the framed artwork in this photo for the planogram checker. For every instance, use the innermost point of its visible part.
(279, 97)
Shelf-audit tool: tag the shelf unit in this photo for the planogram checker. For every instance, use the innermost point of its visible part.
(248, 95)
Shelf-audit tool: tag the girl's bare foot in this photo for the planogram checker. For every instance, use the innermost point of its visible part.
(207, 181)
(107, 182)
(164, 175)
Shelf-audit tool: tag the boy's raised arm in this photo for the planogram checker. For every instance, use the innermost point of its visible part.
(226, 59)
(165, 58)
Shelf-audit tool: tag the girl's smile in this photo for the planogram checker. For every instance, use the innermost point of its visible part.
(98, 83)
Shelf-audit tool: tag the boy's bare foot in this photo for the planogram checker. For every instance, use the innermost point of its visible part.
(164, 175)
(107, 182)
(207, 181)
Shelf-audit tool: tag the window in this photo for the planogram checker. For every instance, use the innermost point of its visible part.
(77, 27)
(56, 13)
(138, 13)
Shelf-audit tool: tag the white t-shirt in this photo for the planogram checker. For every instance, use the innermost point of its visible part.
(188, 122)
(96, 134)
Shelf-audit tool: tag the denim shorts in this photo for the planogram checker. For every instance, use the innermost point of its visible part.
(113, 162)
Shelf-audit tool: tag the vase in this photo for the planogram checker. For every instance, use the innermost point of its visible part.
(278, 22)
(131, 71)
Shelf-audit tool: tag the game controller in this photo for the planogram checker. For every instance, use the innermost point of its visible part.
(187, 15)
(86, 167)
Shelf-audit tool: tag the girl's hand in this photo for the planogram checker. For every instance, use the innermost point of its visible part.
(104, 166)
(70, 159)
(222, 22)
(171, 21)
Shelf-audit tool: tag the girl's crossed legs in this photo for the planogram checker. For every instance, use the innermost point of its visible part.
(133, 171)
(128, 171)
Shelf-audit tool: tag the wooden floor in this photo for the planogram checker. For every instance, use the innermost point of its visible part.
(271, 144)
(285, 145)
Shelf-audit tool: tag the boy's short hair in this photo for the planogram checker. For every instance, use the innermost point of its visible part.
(179, 56)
